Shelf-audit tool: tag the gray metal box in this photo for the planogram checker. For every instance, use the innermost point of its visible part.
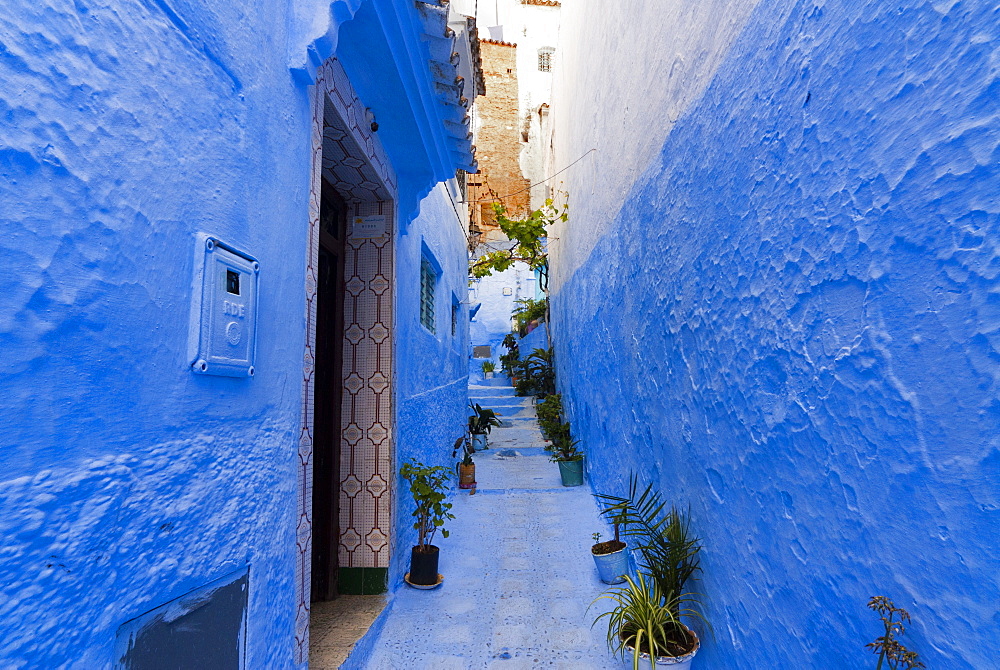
(227, 314)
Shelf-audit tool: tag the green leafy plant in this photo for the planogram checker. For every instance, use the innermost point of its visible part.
(646, 621)
(428, 484)
(540, 370)
(489, 366)
(549, 412)
(508, 361)
(890, 651)
(482, 421)
(563, 447)
(466, 447)
(667, 547)
(527, 311)
(528, 235)
(596, 537)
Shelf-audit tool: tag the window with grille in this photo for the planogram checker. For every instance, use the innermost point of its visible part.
(428, 279)
(454, 317)
(545, 59)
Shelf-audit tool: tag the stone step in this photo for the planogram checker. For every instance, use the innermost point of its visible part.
(495, 391)
(503, 402)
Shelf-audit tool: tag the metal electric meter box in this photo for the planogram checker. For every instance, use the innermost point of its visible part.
(226, 315)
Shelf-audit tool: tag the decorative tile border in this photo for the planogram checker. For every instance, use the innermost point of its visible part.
(358, 167)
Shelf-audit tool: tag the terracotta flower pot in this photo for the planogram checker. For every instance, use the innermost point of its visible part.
(466, 476)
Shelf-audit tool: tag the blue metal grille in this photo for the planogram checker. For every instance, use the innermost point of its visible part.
(427, 281)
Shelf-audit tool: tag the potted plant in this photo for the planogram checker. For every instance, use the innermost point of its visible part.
(428, 485)
(481, 422)
(466, 467)
(669, 555)
(645, 625)
(549, 412)
(565, 453)
(611, 557)
(489, 367)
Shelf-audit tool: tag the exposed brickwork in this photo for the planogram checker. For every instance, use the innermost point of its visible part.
(499, 139)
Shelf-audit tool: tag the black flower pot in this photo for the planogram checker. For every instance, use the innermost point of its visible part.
(424, 565)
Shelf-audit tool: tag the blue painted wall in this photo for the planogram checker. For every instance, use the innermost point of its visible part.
(432, 373)
(125, 480)
(793, 328)
(492, 322)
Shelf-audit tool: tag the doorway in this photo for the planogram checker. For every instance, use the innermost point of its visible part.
(328, 391)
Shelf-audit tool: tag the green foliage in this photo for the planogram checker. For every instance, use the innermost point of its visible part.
(563, 447)
(539, 368)
(482, 421)
(549, 413)
(527, 311)
(663, 537)
(428, 485)
(509, 361)
(489, 366)
(528, 234)
(466, 447)
(536, 374)
(646, 620)
(888, 648)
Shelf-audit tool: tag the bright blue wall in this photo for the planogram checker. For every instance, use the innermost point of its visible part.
(126, 480)
(793, 328)
(431, 367)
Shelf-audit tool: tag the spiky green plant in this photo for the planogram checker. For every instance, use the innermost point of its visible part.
(667, 547)
(646, 621)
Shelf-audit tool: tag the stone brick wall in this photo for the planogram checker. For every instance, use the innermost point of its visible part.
(499, 139)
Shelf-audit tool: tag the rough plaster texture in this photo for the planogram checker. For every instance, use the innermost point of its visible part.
(125, 480)
(790, 322)
(432, 383)
(622, 83)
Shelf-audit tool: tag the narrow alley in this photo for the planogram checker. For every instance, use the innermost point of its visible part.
(518, 576)
(728, 271)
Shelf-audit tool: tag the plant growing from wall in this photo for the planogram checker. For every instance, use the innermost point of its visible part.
(428, 485)
(528, 235)
(890, 650)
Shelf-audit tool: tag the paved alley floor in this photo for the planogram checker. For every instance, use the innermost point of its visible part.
(518, 575)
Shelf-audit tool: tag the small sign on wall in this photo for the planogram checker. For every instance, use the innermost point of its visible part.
(508, 290)
(366, 227)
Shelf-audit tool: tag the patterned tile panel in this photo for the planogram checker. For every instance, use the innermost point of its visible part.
(348, 154)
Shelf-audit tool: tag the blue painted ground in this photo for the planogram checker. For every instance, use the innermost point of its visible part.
(518, 572)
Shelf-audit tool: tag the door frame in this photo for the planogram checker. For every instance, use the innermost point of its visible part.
(359, 169)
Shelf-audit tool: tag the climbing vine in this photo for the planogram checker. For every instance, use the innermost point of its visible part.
(528, 235)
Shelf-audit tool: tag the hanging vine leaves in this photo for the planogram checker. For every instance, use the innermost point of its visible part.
(528, 235)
